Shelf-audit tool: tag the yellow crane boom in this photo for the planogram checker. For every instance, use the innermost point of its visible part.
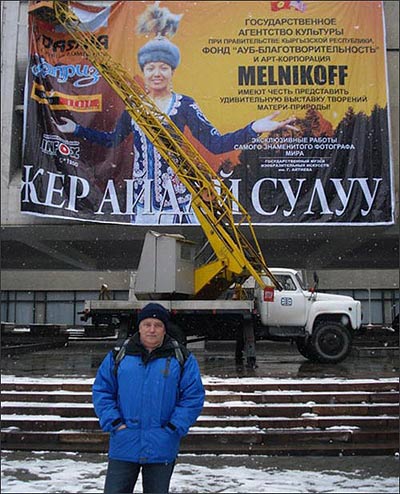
(237, 256)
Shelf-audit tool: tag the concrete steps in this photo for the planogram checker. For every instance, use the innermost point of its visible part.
(279, 417)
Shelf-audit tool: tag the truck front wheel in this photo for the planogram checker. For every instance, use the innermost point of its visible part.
(331, 342)
(304, 346)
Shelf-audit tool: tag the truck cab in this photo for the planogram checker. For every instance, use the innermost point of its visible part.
(321, 324)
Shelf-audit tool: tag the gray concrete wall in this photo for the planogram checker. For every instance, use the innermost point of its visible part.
(63, 280)
(391, 10)
(120, 280)
(11, 96)
(387, 279)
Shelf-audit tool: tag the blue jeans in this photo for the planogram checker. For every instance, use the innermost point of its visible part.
(122, 476)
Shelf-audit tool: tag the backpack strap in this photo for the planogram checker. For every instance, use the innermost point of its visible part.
(119, 354)
(180, 357)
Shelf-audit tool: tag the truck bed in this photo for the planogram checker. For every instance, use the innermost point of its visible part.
(191, 306)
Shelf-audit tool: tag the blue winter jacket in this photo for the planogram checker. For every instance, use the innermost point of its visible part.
(154, 396)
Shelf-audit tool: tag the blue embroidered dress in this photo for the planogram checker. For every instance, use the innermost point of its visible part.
(170, 200)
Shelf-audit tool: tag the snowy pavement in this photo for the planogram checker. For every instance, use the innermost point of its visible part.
(50, 472)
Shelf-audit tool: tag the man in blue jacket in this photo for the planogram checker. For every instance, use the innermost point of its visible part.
(147, 402)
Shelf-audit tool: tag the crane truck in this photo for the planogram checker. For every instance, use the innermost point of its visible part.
(192, 284)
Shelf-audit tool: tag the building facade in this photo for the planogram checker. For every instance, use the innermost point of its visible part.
(50, 266)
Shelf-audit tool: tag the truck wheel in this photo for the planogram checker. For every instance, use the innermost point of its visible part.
(331, 342)
(305, 347)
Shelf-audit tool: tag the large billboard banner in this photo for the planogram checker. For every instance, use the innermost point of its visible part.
(287, 101)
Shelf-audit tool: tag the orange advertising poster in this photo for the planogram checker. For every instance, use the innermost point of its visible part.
(287, 101)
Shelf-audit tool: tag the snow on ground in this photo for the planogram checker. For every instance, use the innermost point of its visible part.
(47, 472)
(9, 378)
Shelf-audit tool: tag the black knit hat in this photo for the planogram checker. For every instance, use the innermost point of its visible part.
(155, 311)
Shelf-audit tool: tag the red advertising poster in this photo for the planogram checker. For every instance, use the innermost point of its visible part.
(287, 101)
